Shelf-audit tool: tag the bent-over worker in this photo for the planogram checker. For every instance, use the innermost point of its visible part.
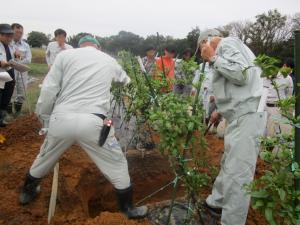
(237, 91)
(73, 104)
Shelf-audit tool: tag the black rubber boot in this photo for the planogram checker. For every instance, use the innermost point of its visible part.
(9, 108)
(210, 215)
(215, 212)
(30, 190)
(18, 107)
(126, 205)
(2, 116)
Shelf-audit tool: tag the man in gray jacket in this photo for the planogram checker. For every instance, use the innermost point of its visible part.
(73, 104)
(237, 87)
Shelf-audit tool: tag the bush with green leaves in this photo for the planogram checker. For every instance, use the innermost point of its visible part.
(274, 193)
(187, 69)
(37, 39)
(178, 121)
(142, 92)
(180, 127)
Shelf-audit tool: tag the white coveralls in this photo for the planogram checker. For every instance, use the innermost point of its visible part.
(237, 94)
(78, 85)
(21, 78)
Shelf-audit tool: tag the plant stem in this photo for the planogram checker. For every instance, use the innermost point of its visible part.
(182, 163)
(148, 83)
(173, 200)
(161, 58)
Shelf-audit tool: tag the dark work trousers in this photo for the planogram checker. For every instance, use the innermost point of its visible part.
(6, 94)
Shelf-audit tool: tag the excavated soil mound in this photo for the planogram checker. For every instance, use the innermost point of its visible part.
(85, 196)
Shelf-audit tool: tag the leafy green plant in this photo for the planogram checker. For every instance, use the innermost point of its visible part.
(178, 120)
(139, 95)
(187, 68)
(274, 193)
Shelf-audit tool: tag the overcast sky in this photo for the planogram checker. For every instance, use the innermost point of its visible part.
(143, 17)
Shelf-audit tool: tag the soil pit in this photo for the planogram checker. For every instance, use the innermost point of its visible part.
(85, 196)
(147, 174)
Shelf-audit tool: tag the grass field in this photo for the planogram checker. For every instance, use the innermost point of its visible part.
(33, 94)
(38, 69)
(38, 55)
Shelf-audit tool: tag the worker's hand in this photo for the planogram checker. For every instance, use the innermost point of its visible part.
(214, 117)
(5, 64)
(18, 54)
(207, 52)
(43, 131)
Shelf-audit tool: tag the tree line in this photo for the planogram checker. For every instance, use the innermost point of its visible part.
(270, 33)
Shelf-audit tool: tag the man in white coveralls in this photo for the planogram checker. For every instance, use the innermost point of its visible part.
(74, 102)
(237, 93)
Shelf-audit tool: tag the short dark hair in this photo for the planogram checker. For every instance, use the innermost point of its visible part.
(187, 51)
(289, 62)
(16, 25)
(170, 49)
(60, 32)
(150, 47)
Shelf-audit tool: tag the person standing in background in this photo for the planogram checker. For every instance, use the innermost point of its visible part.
(166, 65)
(7, 53)
(56, 46)
(289, 63)
(149, 60)
(276, 123)
(183, 84)
(144, 140)
(24, 51)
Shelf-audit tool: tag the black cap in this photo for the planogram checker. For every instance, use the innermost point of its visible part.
(5, 29)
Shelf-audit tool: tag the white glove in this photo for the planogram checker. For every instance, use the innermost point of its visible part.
(43, 131)
(45, 127)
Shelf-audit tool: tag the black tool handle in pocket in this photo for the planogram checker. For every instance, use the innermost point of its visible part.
(104, 132)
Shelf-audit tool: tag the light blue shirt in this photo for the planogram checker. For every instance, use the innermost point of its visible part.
(22, 47)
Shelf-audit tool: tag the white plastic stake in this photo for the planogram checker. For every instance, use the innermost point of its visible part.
(53, 197)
